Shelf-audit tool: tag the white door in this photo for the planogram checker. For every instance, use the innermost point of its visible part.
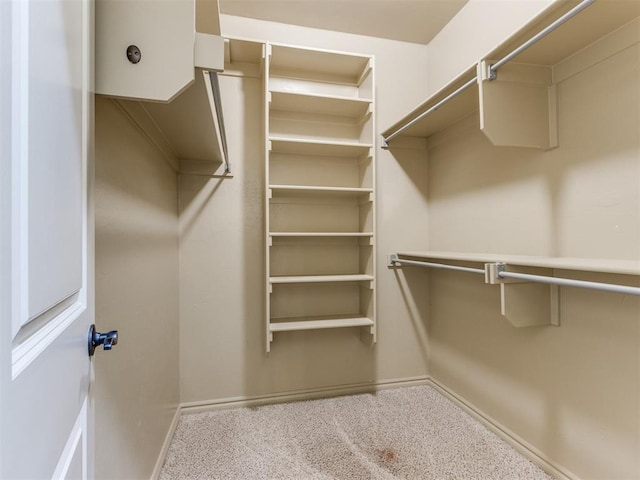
(46, 252)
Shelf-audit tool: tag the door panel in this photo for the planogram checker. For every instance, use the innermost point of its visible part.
(46, 239)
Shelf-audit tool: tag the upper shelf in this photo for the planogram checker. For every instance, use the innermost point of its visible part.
(318, 65)
(595, 22)
(624, 267)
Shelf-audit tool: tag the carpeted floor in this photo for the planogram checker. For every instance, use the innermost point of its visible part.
(405, 433)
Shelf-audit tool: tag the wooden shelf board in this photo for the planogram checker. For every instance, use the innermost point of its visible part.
(315, 189)
(188, 124)
(345, 68)
(319, 104)
(314, 147)
(624, 267)
(447, 115)
(320, 278)
(593, 23)
(316, 323)
(321, 234)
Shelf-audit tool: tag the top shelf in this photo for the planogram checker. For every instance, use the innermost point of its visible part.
(595, 22)
(327, 66)
(623, 267)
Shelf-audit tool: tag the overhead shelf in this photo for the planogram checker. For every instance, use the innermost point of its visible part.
(623, 267)
(517, 107)
(529, 285)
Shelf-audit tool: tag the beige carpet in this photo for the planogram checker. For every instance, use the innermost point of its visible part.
(405, 433)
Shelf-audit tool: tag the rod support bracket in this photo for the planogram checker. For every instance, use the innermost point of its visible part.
(384, 144)
(392, 260)
(491, 74)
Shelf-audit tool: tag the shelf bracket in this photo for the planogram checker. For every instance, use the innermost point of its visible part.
(520, 108)
(522, 303)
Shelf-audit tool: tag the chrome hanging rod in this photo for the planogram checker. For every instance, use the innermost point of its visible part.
(394, 259)
(502, 273)
(494, 67)
(215, 88)
(543, 33)
(607, 287)
(455, 93)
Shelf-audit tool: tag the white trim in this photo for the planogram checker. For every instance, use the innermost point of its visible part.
(522, 446)
(298, 395)
(25, 353)
(165, 445)
(20, 165)
(76, 437)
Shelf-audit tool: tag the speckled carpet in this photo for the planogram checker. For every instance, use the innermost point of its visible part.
(404, 433)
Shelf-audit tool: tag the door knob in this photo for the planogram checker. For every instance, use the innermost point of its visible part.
(107, 340)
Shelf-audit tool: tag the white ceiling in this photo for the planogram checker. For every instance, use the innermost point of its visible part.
(416, 21)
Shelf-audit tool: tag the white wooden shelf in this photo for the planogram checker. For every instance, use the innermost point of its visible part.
(319, 65)
(312, 323)
(318, 147)
(544, 64)
(623, 267)
(306, 189)
(319, 104)
(320, 279)
(319, 205)
(320, 234)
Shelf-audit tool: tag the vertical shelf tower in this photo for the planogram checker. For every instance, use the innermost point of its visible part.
(320, 197)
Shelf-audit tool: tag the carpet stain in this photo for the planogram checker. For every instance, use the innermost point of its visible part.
(387, 455)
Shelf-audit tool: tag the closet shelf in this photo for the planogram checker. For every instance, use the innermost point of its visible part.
(318, 65)
(318, 147)
(555, 56)
(320, 279)
(319, 104)
(623, 267)
(306, 189)
(317, 323)
(321, 234)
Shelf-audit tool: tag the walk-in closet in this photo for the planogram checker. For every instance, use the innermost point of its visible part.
(362, 169)
(326, 240)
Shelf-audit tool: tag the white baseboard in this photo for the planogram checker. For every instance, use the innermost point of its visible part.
(165, 445)
(297, 395)
(522, 446)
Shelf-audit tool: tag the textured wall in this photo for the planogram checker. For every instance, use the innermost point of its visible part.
(137, 294)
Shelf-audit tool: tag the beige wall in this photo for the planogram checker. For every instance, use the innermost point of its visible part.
(478, 28)
(573, 392)
(137, 294)
(222, 279)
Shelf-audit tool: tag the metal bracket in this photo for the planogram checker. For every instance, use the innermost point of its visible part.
(491, 74)
(391, 261)
(384, 144)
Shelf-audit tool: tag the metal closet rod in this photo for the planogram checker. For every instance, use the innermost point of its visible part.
(492, 69)
(395, 259)
(502, 273)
